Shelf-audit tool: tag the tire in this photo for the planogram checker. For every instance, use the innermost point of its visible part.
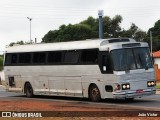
(94, 93)
(28, 90)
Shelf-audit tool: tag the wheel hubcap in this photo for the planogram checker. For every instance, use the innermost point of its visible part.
(95, 92)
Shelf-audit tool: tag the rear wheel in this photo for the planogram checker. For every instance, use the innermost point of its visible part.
(28, 90)
(94, 93)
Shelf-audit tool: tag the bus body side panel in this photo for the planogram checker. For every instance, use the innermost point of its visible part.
(62, 80)
(110, 81)
(13, 80)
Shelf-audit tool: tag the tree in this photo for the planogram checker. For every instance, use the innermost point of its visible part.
(19, 43)
(134, 32)
(155, 36)
(89, 29)
(112, 26)
(86, 29)
(50, 36)
(68, 33)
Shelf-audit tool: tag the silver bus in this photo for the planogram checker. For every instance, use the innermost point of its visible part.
(118, 68)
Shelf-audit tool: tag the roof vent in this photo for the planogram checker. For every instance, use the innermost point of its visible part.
(118, 40)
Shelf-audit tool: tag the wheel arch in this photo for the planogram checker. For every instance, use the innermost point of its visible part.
(91, 96)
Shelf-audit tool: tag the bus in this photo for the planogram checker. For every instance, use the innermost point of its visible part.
(119, 68)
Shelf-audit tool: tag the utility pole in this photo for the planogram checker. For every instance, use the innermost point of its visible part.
(100, 14)
(30, 19)
(151, 41)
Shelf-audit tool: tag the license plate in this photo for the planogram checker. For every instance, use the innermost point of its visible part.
(139, 91)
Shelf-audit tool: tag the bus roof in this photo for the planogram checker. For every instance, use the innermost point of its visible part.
(73, 45)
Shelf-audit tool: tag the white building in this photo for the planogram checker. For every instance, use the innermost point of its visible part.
(156, 56)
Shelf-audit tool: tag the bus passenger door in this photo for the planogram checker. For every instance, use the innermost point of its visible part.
(73, 86)
(107, 71)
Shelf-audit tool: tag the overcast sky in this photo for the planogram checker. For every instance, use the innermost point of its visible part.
(50, 14)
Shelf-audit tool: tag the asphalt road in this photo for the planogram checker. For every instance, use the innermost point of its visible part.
(151, 103)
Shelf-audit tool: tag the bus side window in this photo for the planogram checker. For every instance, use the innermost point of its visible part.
(11, 59)
(14, 58)
(39, 57)
(8, 59)
(89, 56)
(54, 57)
(24, 58)
(71, 57)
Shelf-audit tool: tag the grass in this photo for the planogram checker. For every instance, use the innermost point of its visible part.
(157, 86)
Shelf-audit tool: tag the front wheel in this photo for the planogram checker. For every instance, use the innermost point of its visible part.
(28, 90)
(94, 93)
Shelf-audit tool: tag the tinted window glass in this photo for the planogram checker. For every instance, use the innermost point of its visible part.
(8, 59)
(89, 56)
(123, 59)
(106, 63)
(143, 58)
(54, 57)
(71, 57)
(131, 58)
(39, 57)
(11, 58)
(24, 58)
(14, 58)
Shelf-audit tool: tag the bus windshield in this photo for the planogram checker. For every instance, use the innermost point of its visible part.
(131, 59)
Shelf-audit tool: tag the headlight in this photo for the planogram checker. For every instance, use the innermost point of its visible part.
(128, 86)
(125, 86)
(151, 83)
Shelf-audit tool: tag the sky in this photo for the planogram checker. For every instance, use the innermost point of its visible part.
(50, 14)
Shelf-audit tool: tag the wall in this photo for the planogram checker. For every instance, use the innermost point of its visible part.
(157, 61)
(157, 72)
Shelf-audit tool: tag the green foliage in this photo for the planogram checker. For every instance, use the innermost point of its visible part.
(134, 32)
(1, 62)
(86, 29)
(68, 33)
(157, 86)
(155, 36)
(89, 29)
(19, 43)
(112, 26)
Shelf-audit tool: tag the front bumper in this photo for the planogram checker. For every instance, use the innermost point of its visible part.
(133, 93)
